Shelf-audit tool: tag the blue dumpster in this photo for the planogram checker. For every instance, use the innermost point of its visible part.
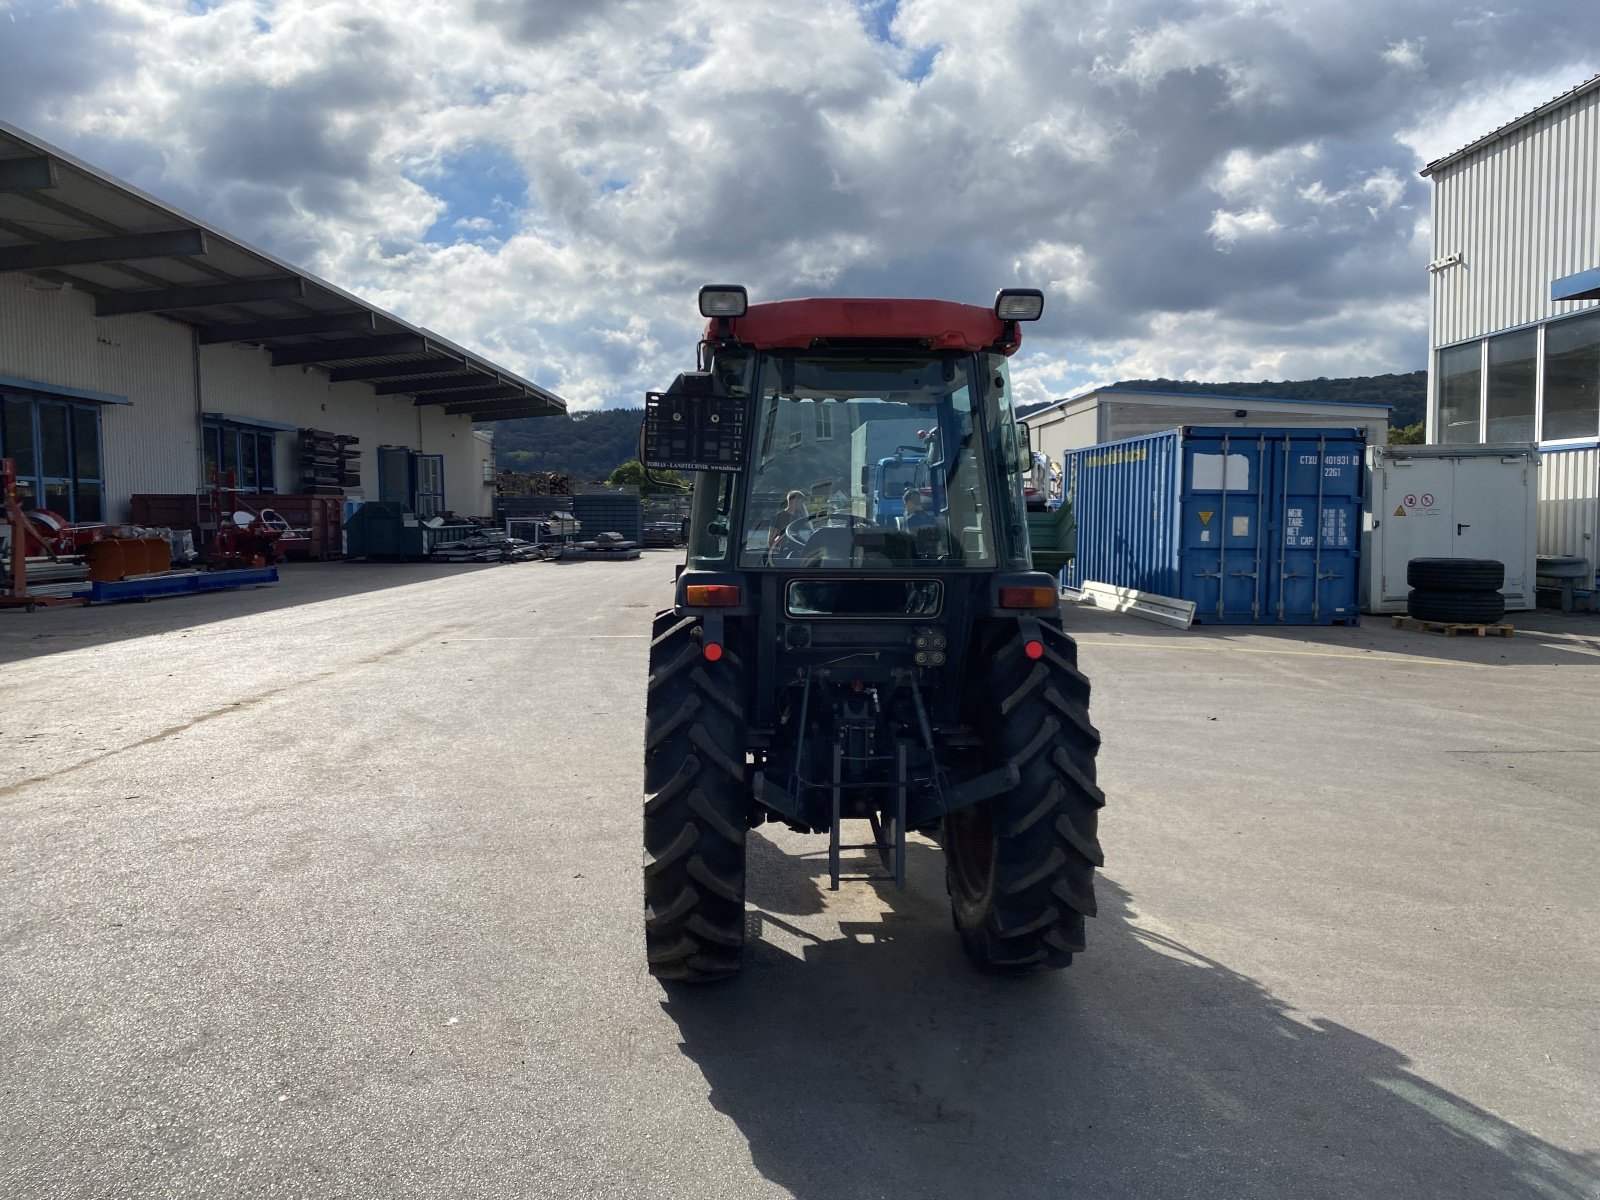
(1256, 526)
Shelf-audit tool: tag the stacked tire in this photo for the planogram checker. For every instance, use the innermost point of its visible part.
(1456, 591)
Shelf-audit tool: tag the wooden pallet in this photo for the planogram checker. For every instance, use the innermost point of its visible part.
(1451, 629)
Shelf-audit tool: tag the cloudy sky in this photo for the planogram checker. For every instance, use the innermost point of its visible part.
(1205, 189)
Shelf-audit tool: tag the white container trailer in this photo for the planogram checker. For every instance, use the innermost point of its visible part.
(1569, 503)
(1449, 502)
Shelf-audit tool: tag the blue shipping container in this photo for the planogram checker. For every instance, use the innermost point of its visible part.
(1256, 526)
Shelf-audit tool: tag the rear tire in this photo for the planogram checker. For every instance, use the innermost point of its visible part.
(1020, 867)
(1457, 608)
(695, 809)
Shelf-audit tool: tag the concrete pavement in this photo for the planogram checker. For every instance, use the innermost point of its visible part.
(332, 890)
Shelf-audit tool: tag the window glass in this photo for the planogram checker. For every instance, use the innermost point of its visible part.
(230, 453)
(1007, 447)
(16, 435)
(247, 461)
(1513, 372)
(1572, 378)
(266, 479)
(54, 460)
(211, 438)
(1460, 393)
(86, 442)
(89, 503)
(840, 499)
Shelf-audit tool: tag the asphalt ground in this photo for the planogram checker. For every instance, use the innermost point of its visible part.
(332, 889)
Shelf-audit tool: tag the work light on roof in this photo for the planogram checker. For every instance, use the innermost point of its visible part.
(1019, 304)
(723, 300)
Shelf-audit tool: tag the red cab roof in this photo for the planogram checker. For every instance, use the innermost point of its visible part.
(945, 325)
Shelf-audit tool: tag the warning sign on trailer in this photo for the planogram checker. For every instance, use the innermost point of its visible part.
(1205, 516)
(1399, 510)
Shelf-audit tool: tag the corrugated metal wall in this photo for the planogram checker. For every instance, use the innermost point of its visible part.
(1569, 502)
(149, 445)
(1520, 212)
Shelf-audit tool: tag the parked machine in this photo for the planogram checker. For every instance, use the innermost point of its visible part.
(821, 665)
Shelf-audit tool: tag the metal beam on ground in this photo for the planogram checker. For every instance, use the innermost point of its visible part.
(377, 347)
(27, 174)
(437, 383)
(260, 331)
(125, 248)
(423, 366)
(243, 291)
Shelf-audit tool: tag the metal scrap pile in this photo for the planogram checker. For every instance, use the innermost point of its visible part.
(604, 547)
(489, 545)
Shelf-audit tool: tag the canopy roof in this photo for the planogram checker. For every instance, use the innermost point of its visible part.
(65, 221)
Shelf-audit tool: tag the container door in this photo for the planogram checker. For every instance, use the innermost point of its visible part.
(1489, 519)
(1414, 521)
(1315, 545)
(1223, 566)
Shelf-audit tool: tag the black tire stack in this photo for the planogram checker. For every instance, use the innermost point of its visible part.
(1456, 591)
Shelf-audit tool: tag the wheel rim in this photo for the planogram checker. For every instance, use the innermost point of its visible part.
(971, 850)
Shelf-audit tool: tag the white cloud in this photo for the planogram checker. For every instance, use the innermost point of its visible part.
(1104, 152)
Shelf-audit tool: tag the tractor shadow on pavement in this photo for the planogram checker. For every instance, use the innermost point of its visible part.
(864, 1058)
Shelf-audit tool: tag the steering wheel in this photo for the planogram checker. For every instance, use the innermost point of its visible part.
(798, 531)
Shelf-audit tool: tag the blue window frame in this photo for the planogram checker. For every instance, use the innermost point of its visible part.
(56, 446)
(245, 450)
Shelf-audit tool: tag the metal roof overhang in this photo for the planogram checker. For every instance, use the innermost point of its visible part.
(63, 221)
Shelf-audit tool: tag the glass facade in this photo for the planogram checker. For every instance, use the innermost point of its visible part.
(1572, 379)
(56, 446)
(243, 449)
(1535, 384)
(1460, 394)
(1513, 380)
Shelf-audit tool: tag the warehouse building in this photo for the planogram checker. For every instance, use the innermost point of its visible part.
(1108, 414)
(142, 351)
(1514, 307)
(1514, 285)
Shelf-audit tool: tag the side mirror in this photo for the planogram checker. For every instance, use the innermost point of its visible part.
(866, 479)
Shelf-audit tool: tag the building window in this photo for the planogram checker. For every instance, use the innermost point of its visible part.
(1512, 379)
(824, 423)
(1572, 378)
(245, 451)
(1460, 393)
(56, 447)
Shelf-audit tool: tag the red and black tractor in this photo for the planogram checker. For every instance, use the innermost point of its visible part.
(825, 662)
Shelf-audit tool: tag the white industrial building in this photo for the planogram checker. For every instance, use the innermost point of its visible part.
(142, 351)
(1107, 414)
(1514, 304)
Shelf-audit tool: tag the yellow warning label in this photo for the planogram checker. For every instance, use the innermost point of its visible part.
(1399, 510)
(1205, 517)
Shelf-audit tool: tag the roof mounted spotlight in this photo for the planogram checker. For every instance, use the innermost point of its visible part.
(1019, 304)
(723, 300)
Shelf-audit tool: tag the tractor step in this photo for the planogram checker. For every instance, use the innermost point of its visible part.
(888, 832)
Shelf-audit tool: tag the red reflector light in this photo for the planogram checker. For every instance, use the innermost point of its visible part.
(1033, 649)
(1027, 597)
(711, 595)
(714, 652)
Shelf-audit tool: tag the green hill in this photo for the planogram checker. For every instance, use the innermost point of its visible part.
(591, 445)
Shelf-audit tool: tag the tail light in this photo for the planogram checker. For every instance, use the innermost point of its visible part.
(711, 595)
(1028, 597)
